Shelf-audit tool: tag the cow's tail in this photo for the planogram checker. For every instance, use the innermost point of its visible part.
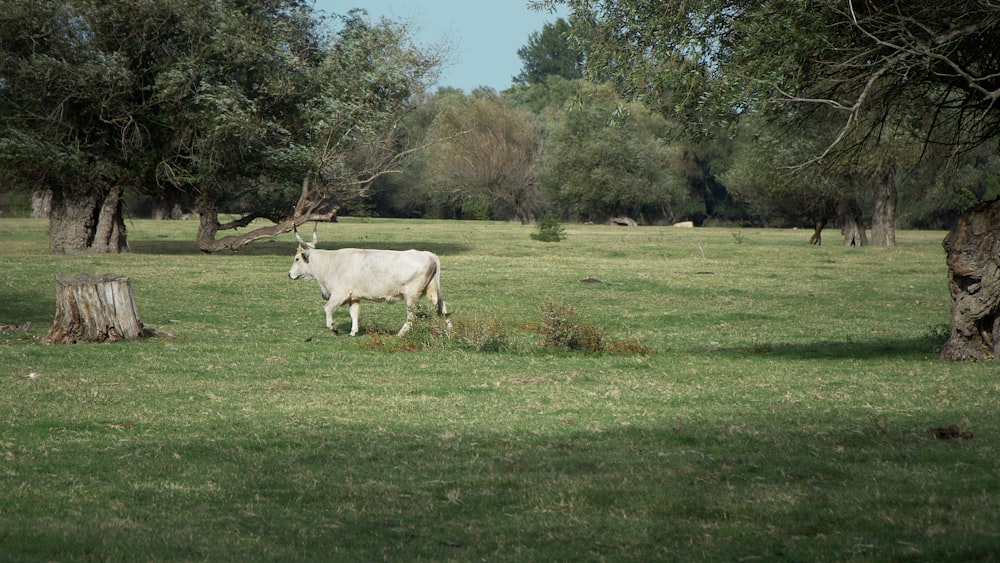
(442, 309)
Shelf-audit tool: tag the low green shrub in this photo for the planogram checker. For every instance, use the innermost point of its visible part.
(549, 229)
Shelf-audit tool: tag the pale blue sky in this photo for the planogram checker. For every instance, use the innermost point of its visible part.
(484, 35)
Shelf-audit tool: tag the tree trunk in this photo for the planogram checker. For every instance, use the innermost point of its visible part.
(168, 205)
(82, 222)
(817, 236)
(94, 309)
(886, 197)
(853, 224)
(163, 209)
(41, 203)
(973, 258)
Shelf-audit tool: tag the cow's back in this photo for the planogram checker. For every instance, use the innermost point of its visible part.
(377, 274)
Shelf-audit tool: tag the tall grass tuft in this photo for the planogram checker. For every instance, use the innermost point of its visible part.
(483, 335)
(561, 329)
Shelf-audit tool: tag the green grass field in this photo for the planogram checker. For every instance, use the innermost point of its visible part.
(779, 406)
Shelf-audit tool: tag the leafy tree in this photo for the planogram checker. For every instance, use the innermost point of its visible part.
(544, 99)
(784, 191)
(925, 66)
(72, 117)
(483, 156)
(595, 168)
(881, 64)
(409, 193)
(240, 106)
(336, 130)
(945, 183)
(549, 53)
(918, 56)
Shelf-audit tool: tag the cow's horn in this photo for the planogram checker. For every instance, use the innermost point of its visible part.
(315, 226)
(297, 237)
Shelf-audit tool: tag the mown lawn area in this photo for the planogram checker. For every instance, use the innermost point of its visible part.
(768, 400)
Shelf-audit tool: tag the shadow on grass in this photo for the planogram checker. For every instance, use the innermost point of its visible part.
(349, 492)
(18, 308)
(928, 346)
(286, 248)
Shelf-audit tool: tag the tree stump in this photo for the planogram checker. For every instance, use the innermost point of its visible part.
(973, 248)
(94, 309)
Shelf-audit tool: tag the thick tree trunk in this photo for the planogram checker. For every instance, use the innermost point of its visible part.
(853, 224)
(82, 222)
(886, 197)
(94, 309)
(973, 258)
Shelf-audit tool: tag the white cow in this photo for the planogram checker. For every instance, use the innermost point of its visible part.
(349, 275)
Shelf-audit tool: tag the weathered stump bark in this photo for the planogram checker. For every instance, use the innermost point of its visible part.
(973, 257)
(94, 309)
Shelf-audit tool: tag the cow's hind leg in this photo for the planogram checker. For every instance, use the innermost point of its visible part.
(442, 309)
(410, 316)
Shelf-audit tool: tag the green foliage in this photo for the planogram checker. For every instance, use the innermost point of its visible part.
(549, 53)
(769, 172)
(596, 167)
(713, 63)
(942, 186)
(483, 156)
(548, 229)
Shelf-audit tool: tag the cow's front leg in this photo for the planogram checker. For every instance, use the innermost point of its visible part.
(355, 311)
(331, 304)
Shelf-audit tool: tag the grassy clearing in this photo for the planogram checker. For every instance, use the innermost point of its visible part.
(781, 410)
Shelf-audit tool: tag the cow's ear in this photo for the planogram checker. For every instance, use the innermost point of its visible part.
(305, 257)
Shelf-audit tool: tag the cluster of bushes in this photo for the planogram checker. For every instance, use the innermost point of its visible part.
(560, 329)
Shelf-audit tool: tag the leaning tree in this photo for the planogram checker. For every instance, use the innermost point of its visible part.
(881, 64)
(321, 133)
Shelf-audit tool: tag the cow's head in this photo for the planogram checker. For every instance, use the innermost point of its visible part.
(300, 266)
